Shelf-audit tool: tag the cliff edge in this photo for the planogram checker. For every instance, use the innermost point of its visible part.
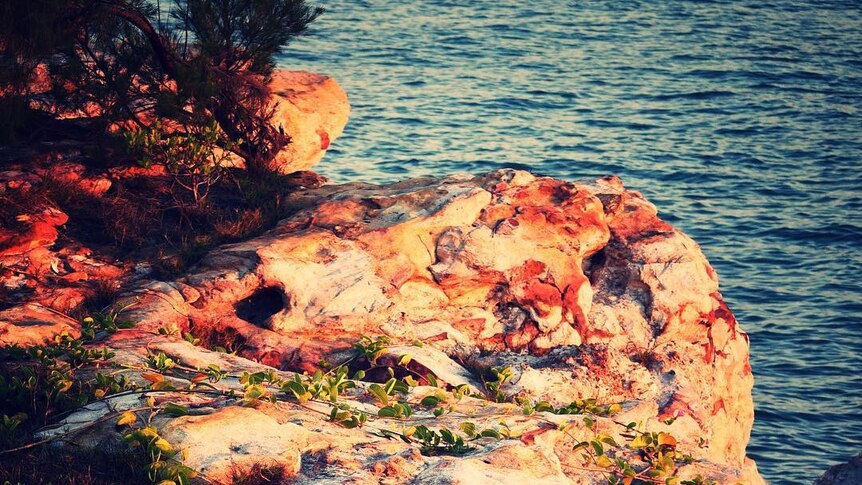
(501, 327)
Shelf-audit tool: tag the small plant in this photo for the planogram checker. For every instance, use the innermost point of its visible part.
(105, 385)
(188, 337)
(437, 442)
(194, 158)
(108, 321)
(580, 406)
(475, 433)
(657, 457)
(168, 332)
(397, 410)
(494, 386)
(698, 480)
(214, 373)
(9, 427)
(374, 348)
(445, 402)
(382, 393)
(322, 386)
(645, 457)
(163, 467)
(161, 362)
(40, 381)
(346, 416)
(335, 384)
(255, 387)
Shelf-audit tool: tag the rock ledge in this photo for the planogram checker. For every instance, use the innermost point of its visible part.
(581, 289)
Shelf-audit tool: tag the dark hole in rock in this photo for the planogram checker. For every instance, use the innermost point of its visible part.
(258, 307)
(594, 262)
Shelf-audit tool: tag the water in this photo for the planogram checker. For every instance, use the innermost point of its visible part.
(741, 121)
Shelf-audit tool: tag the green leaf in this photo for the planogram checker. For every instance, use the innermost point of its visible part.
(405, 409)
(607, 439)
(388, 412)
(468, 428)
(430, 401)
(401, 387)
(175, 409)
(379, 393)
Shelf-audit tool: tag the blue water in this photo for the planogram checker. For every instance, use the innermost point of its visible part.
(741, 121)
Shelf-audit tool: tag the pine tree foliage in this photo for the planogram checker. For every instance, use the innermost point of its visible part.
(130, 62)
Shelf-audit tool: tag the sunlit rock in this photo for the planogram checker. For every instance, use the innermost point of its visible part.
(581, 290)
(33, 324)
(313, 110)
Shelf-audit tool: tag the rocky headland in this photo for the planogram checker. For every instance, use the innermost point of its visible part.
(503, 327)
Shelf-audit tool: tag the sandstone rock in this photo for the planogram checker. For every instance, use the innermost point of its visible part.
(849, 473)
(33, 324)
(313, 110)
(505, 464)
(581, 289)
(75, 175)
(40, 231)
(36, 269)
(230, 441)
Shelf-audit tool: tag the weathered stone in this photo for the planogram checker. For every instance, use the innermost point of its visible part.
(582, 289)
(33, 324)
(40, 231)
(230, 441)
(313, 110)
(579, 288)
(849, 473)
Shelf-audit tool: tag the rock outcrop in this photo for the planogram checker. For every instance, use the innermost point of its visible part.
(56, 278)
(849, 473)
(313, 109)
(580, 289)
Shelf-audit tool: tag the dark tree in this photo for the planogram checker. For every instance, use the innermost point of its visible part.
(125, 63)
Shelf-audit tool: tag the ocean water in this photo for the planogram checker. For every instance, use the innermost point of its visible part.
(741, 121)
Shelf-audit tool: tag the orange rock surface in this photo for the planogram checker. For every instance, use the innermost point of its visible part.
(580, 288)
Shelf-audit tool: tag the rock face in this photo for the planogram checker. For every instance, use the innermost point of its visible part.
(313, 110)
(849, 473)
(581, 289)
(53, 278)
